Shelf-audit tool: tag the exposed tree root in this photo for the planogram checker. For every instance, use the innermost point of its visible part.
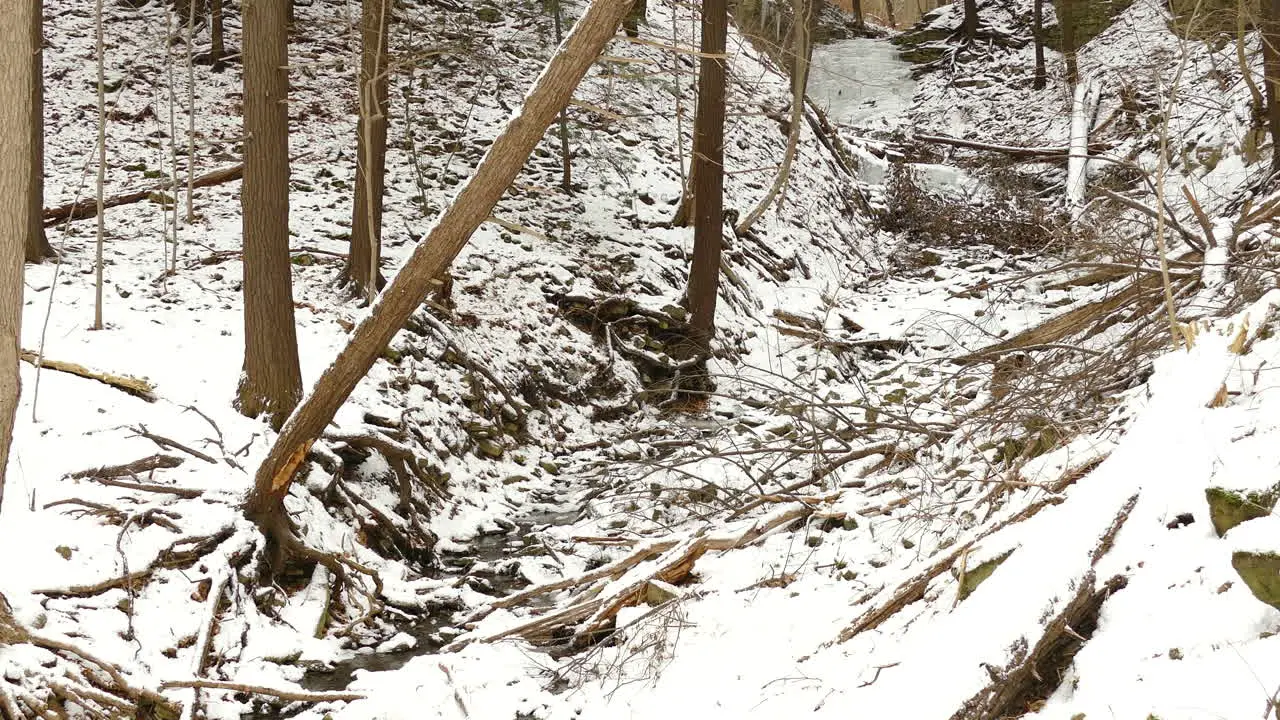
(1033, 675)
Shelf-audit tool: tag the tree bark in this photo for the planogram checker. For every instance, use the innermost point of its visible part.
(1271, 73)
(430, 259)
(856, 6)
(371, 152)
(970, 25)
(271, 383)
(37, 243)
(217, 43)
(708, 174)
(1037, 30)
(16, 158)
(1067, 21)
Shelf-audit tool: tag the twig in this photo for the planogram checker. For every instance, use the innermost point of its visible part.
(168, 443)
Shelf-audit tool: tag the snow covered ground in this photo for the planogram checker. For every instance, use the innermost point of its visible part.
(837, 340)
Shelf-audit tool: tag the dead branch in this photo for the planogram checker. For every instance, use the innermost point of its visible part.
(137, 467)
(79, 210)
(170, 444)
(286, 695)
(1016, 151)
(132, 385)
(185, 493)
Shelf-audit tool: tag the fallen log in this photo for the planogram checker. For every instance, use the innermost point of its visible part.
(87, 208)
(1017, 151)
(132, 385)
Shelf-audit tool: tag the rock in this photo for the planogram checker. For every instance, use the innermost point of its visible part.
(489, 14)
(490, 448)
(549, 466)
(1229, 508)
(1261, 572)
(974, 577)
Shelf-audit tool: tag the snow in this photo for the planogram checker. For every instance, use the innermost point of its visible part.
(753, 633)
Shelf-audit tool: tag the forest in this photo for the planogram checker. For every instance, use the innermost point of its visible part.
(555, 359)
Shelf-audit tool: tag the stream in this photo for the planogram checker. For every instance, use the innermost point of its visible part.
(862, 82)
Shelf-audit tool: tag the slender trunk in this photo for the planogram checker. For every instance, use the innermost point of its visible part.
(431, 258)
(857, 13)
(271, 382)
(1271, 71)
(217, 44)
(803, 51)
(632, 22)
(1038, 33)
(102, 168)
(566, 159)
(16, 78)
(191, 113)
(371, 152)
(37, 243)
(708, 174)
(970, 20)
(1067, 21)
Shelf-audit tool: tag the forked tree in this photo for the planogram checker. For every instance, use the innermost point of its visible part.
(361, 271)
(707, 174)
(430, 259)
(271, 382)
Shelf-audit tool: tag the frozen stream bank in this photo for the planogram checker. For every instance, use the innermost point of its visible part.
(862, 81)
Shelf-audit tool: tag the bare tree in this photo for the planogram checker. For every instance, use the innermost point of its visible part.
(1067, 21)
(1037, 31)
(271, 382)
(371, 153)
(1271, 73)
(802, 50)
(217, 44)
(708, 174)
(16, 158)
(37, 244)
(970, 24)
(102, 165)
(429, 261)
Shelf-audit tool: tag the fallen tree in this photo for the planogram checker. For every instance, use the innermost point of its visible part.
(82, 209)
(452, 230)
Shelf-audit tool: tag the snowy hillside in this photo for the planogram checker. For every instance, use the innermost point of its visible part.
(951, 467)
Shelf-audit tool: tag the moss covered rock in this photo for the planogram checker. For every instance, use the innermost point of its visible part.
(1261, 572)
(973, 577)
(1229, 508)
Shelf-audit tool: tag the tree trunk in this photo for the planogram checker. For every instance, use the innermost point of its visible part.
(217, 43)
(1271, 73)
(857, 13)
(970, 20)
(271, 382)
(371, 152)
(37, 243)
(1067, 21)
(802, 50)
(16, 158)
(1038, 33)
(708, 171)
(430, 259)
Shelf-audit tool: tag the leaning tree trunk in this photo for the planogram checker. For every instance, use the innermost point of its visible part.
(708, 175)
(271, 383)
(37, 246)
(430, 260)
(371, 152)
(1037, 30)
(1271, 72)
(16, 158)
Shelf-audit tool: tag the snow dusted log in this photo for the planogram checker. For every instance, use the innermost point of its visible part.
(1016, 151)
(81, 209)
(473, 204)
(1078, 157)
